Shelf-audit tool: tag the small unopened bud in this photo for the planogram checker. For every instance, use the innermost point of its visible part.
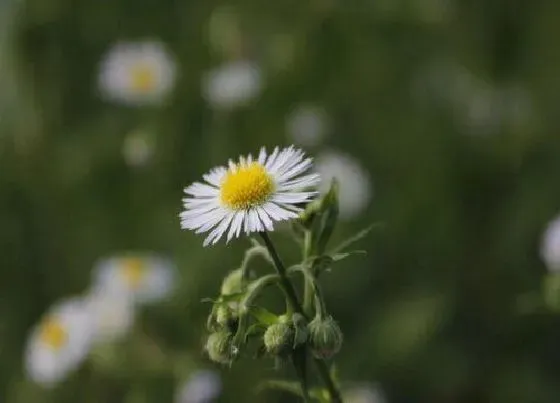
(325, 337)
(312, 210)
(219, 347)
(225, 317)
(279, 338)
(233, 283)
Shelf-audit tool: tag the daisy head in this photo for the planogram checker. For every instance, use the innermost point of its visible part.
(203, 386)
(60, 342)
(233, 84)
(354, 181)
(249, 195)
(137, 73)
(112, 313)
(141, 277)
(550, 245)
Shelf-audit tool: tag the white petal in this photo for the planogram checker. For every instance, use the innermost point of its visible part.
(198, 189)
(218, 232)
(262, 156)
(272, 158)
(235, 225)
(292, 197)
(299, 183)
(265, 219)
(278, 213)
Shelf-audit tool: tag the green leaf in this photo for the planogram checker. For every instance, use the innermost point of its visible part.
(354, 238)
(321, 395)
(336, 257)
(263, 316)
(224, 299)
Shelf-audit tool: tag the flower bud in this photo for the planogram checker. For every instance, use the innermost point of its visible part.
(233, 283)
(219, 347)
(226, 317)
(325, 337)
(279, 338)
(311, 211)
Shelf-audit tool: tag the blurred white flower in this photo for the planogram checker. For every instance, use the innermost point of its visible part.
(307, 125)
(143, 277)
(550, 245)
(113, 314)
(366, 393)
(201, 387)
(60, 342)
(233, 84)
(355, 186)
(137, 149)
(137, 73)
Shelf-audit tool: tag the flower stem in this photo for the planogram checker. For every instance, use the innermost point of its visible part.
(321, 365)
(308, 287)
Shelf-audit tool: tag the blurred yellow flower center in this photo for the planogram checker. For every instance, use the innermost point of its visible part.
(247, 186)
(142, 78)
(53, 334)
(133, 271)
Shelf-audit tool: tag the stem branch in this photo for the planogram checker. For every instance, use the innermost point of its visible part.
(321, 365)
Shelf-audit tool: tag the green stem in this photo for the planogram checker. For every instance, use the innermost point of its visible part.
(297, 356)
(308, 287)
(321, 365)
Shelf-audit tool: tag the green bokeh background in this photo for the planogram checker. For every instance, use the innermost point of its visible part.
(431, 313)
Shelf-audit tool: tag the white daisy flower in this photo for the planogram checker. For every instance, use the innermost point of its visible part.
(249, 195)
(201, 387)
(354, 182)
(550, 245)
(366, 393)
(113, 314)
(60, 342)
(233, 84)
(142, 277)
(137, 73)
(307, 125)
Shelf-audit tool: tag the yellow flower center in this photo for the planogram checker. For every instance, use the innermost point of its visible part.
(133, 270)
(247, 186)
(52, 333)
(142, 78)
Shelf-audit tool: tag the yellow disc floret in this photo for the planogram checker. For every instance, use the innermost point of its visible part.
(246, 186)
(142, 78)
(133, 270)
(52, 333)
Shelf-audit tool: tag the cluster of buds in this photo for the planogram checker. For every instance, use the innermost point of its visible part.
(235, 319)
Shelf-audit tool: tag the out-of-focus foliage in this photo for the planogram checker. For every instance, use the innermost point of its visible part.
(449, 106)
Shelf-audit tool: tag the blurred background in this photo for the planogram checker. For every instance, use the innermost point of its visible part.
(438, 116)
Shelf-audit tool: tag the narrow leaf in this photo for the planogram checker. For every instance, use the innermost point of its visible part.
(264, 316)
(354, 238)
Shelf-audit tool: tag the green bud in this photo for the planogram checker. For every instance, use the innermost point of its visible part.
(233, 283)
(219, 347)
(279, 338)
(325, 337)
(312, 210)
(225, 316)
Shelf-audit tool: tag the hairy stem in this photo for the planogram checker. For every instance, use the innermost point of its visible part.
(308, 287)
(288, 287)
